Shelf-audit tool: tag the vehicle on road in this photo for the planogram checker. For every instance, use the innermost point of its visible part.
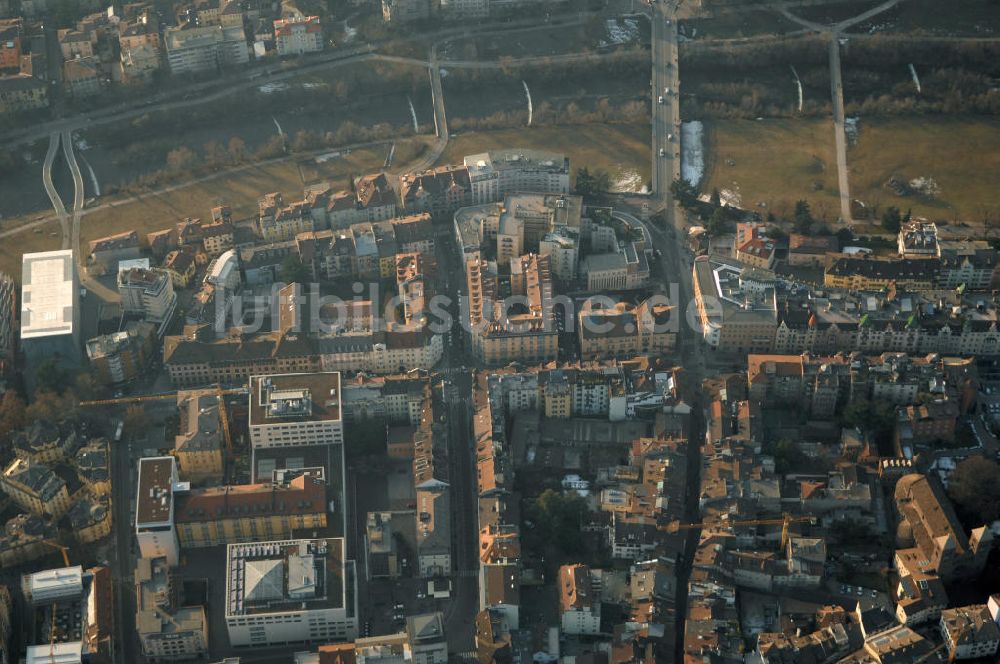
(663, 153)
(660, 99)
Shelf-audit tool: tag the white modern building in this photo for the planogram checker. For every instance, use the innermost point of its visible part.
(50, 312)
(290, 592)
(292, 410)
(295, 36)
(494, 175)
(192, 49)
(148, 293)
(154, 510)
(52, 585)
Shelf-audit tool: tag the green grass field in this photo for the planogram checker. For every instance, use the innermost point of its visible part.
(775, 162)
(621, 150)
(240, 190)
(962, 155)
(740, 24)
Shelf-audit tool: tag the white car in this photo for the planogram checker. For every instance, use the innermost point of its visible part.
(663, 153)
(660, 99)
(666, 91)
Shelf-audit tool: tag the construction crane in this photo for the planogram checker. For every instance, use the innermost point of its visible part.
(142, 398)
(784, 522)
(62, 549)
(216, 391)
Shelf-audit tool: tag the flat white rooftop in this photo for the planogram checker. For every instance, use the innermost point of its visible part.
(57, 653)
(56, 583)
(48, 294)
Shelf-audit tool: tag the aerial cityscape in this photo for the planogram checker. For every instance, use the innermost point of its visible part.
(499, 331)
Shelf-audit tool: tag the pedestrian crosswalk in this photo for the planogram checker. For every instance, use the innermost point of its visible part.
(465, 573)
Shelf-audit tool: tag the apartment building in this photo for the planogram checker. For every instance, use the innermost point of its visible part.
(625, 330)
(919, 598)
(108, 251)
(167, 632)
(10, 43)
(139, 47)
(23, 539)
(579, 602)
(495, 175)
(280, 223)
(810, 250)
(180, 265)
(464, 9)
(405, 11)
(287, 592)
(439, 191)
(752, 246)
(396, 399)
(83, 77)
(970, 263)
(199, 443)
(969, 632)
(295, 410)
(371, 199)
(918, 239)
(501, 333)
(192, 49)
(217, 237)
(500, 569)
(148, 293)
(298, 35)
(876, 273)
(732, 319)
(38, 488)
(22, 92)
(433, 498)
(123, 356)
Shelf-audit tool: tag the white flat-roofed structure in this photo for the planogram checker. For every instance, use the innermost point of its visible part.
(292, 410)
(57, 653)
(53, 584)
(290, 592)
(50, 314)
(154, 509)
(493, 175)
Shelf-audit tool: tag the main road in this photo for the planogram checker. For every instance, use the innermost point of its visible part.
(666, 116)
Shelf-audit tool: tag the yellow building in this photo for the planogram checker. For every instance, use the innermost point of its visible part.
(286, 223)
(180, 265)
(866, 273)
(36, 488)
(93, 468)
(90, 518)
(625, 330)
(250, 512)
(198, 445)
